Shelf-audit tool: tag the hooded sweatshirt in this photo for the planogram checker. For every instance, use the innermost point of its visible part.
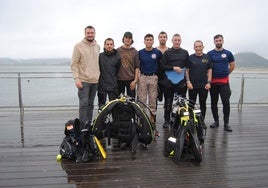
(85, 62)
(129, 62)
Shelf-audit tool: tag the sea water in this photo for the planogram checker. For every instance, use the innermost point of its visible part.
(53, 86)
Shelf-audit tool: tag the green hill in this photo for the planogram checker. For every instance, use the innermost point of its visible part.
(250, 60)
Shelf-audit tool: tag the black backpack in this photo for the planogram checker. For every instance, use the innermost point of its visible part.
(78, 144)
(124, 116)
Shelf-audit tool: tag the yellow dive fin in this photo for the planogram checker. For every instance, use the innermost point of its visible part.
(103, 152)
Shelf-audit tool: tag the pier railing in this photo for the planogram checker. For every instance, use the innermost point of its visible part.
(43, 90)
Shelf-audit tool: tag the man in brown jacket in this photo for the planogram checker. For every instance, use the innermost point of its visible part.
(85, 68)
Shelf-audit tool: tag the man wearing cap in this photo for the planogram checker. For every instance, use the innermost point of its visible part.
(128, 73)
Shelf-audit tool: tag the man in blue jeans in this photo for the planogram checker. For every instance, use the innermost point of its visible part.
(223, 64)
(85, 68)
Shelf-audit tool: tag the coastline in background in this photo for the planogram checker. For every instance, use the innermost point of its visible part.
(54, 86)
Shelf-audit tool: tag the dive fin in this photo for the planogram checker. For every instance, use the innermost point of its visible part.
(102, 151)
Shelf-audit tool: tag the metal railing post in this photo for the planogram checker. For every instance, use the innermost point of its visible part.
(241, 98)
(20, 100)
(21, 110)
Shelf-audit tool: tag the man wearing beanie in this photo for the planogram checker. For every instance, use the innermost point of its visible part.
(128, 73)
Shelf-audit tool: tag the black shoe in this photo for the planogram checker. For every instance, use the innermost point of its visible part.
(214, 125)
(166, 124)
(160, 96)
(203, 125)
(227, 128)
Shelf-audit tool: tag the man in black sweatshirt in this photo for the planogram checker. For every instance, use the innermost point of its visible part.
(174, 62)
(109, 61)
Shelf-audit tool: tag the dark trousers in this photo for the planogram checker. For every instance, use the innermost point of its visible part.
(202, 94)
(122, 85)
(224, 91)
(86, 97)
(102, 96)
(169, 95)
(160, 95)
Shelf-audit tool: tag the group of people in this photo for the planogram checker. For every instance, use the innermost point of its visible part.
(152, 73)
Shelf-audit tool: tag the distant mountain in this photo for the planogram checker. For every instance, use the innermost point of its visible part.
(243, 60)
(250, 60)
(41, 61)
(8, 61)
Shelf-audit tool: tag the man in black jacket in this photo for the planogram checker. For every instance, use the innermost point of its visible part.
(109, 61)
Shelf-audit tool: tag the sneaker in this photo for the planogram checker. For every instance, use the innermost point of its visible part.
(227, 128)
(157, 134)
(166, 124)
(214, 125)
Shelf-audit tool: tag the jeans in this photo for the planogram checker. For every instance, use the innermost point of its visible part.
(86, 97)
(224, 91)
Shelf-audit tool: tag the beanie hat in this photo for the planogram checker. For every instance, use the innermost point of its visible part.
(128, 34)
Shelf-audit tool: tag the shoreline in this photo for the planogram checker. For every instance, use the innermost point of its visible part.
(250, 70)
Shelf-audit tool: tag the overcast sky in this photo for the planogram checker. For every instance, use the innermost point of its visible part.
(51, 28)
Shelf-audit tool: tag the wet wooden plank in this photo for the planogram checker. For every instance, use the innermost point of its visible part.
(237, 159)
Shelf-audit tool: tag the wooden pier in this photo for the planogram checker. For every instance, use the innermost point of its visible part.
(28, 155)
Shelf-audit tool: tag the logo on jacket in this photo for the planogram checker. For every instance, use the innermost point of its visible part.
(153, 56)
(204, 60)
(223, 55)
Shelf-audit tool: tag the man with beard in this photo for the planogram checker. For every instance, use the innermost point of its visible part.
(85, 69)
(223, 64)
(162, 38)
(109, 61)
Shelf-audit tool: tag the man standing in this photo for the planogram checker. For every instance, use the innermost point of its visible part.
(198, 76)
(128, 73)
(109, 62)
(147, 86)
(162, 38)
(174, 62)
(85, 69)
(223, 64)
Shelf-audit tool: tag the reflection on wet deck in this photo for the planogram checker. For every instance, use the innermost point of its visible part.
(237, 159)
